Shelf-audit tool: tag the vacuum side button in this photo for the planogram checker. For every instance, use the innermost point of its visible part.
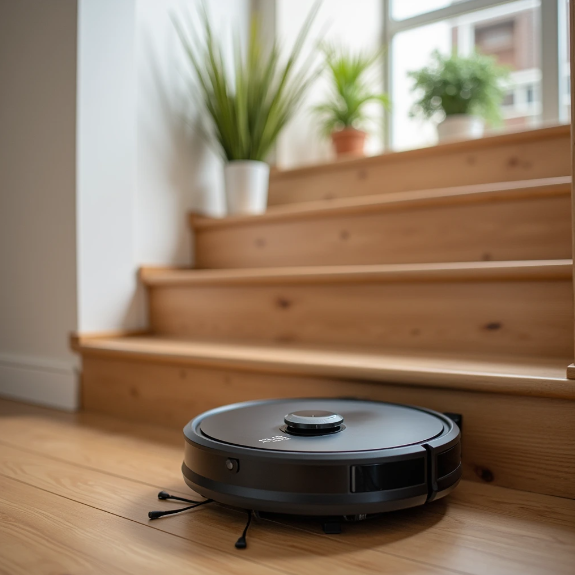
(232, 465)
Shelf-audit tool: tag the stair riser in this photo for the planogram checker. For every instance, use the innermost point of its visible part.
(536, 155)
(495, 317)
(518, 442)
(526, 229)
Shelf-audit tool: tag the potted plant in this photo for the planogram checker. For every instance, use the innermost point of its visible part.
(248, 103)
(463, 91)
(343, 115)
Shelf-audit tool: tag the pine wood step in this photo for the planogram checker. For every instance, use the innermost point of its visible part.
(539, 377)
(506, 308)
(525, 220)
(531, 154)
(518, 423)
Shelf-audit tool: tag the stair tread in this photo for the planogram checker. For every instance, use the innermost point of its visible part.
(542, 377)
(490, 192)
(463, 271)
(519, 136)
(523, 155)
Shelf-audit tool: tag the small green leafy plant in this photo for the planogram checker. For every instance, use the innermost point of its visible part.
(351, 89)
(456, 84)
(250, 102)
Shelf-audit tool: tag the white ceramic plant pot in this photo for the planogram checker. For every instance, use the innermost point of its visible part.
(246, 183)
(460, 127)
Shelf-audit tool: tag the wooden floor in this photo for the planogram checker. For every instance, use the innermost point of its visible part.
(75, 491)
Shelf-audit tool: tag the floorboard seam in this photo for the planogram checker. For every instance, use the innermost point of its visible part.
(88, 467)
(249, 560)
(289, 527)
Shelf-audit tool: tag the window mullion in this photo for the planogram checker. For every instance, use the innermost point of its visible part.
(386, 41)
(549, 61)
(450, 11)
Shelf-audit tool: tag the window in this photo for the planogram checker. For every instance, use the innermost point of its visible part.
(529, 36)
(356, 24)
(508, 31)
(402, 9)
(509, 99)
(497, 39)
(564, 63)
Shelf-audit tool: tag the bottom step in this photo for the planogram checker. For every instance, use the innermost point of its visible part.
(542, 377)
(512, 439)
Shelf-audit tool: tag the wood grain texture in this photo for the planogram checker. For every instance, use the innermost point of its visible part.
(353, 274)
(572, 66)
(209, 533)
(475, 309)
(44, 533)
(476, 194)
(529, 376)
(520, 442)
(82, 519)
(77, 339)
(95, 442)
(513, 221)
(542, 153)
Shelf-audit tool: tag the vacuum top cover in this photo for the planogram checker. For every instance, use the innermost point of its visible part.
(320, 425)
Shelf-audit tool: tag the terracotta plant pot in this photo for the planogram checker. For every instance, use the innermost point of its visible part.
(349, 142)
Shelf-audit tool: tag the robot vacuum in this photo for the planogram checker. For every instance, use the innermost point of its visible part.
(322, 457)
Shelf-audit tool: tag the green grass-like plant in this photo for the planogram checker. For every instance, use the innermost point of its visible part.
(456, 84)
(251, 101)
(351, 84)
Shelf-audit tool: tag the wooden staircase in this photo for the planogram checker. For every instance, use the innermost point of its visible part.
(437, 277)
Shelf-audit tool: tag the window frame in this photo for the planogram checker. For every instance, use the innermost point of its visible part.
(552, 38)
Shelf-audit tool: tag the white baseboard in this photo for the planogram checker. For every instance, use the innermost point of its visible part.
(39, 380)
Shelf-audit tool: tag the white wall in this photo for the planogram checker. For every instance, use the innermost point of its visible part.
(100, 163)
(177, 170)
(106, 164)
(37, 205)
(142, 165)
(354, 24)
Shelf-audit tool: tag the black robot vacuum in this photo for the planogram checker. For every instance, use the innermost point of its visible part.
(322, 457)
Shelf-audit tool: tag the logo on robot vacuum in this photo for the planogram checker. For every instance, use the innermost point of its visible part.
(274, 439)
